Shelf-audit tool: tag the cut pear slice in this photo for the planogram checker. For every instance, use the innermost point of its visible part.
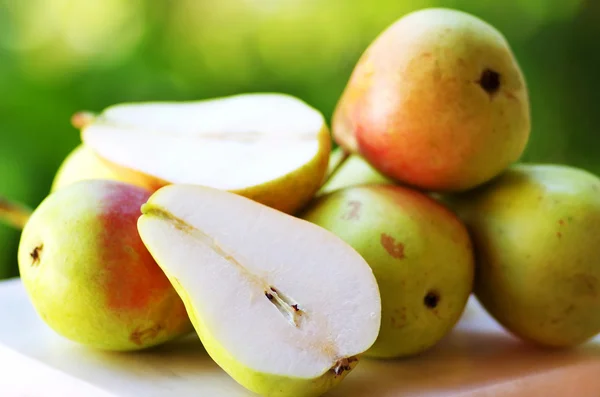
(282, 305)
(270, 147)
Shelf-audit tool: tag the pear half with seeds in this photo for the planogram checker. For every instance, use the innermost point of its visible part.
(272, 148)
(285, 307)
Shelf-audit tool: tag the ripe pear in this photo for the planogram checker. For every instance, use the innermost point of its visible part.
(354, 171)
(420, 253)
(536, 231)
(261, 146)
(83, 164)
(88, 274)
(437, 101)
(283, 306)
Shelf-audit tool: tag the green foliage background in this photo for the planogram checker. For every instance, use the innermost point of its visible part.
(61, 56)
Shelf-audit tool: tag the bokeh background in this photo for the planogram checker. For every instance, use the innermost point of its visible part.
(61, 56)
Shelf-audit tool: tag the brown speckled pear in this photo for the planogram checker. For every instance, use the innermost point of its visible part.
(88, 274)
(536, 231)
(420, 254)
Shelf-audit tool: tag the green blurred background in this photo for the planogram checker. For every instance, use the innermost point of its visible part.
(61, 56)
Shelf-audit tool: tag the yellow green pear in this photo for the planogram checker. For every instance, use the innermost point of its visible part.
(88, 274)
(83, 164)
(285, 307)
(536, 231)
(420, 254)
(272, 148)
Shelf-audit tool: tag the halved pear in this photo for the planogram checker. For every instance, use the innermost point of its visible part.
(282, 305)
(269, 147)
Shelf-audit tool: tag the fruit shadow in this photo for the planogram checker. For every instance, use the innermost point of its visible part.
(178, 365)
(183, 354)
(464, 360)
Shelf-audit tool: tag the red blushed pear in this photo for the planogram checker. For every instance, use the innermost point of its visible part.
(437, 101)
(88, 274)
(420, 253)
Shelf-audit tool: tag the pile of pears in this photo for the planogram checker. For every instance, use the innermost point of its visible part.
(294, 257)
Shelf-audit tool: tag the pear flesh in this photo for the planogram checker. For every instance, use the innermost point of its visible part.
(282, 305)
(259, 145)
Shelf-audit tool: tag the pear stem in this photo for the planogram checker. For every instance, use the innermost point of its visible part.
(82, 119)
(13, 213)
(333, 168)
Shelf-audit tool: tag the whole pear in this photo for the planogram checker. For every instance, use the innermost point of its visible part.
(536, 231)
(437, 101)
(88, 274)
(420, 254)
(83, 164)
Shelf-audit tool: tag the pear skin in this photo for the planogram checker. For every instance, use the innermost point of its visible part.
(293, 192)
(437, 101)
(88, 274)
(83, 164)
(421, 256)
(536, 231)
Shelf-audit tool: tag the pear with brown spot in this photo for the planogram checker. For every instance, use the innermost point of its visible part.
(437, 101)
(536, 231)
(88, 274)
(420, 254)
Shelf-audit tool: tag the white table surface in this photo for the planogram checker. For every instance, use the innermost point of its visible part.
(477, 359)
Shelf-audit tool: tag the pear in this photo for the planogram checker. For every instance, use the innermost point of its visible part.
(536, 231)
(272, 148)
(437, 101)
(420, 253)
(283, 306)
(354, 171)
(83, 164)
(88, 274)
